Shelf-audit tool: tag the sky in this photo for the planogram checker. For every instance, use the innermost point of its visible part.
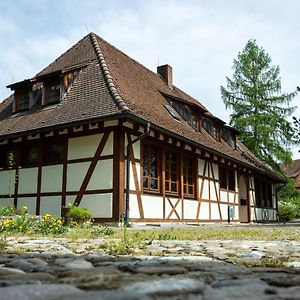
(199, 39)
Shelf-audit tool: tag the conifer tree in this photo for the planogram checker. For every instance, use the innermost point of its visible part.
(259, 110)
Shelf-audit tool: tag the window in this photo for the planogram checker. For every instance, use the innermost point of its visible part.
(263, 194)
(171, 172)
(208, 125)
(53, 94)
(24, 101)
(150, 168)
(228, 137)
(172, 112)
(227, 179)
(31, 155)
(258, 199)
(54, 153)
(188, 176)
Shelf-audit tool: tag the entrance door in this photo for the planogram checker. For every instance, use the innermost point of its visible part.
(243, 200)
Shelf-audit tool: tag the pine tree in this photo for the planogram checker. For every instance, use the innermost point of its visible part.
(259, 110)
(296, 130)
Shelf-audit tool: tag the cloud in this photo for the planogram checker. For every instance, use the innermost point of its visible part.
(199, 39)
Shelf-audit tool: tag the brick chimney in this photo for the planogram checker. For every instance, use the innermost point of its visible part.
(166, 73)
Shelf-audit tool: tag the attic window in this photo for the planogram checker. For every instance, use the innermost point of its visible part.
(53, 94)
(228, 137)
(208, 125)
(172, 112)
(24, 101)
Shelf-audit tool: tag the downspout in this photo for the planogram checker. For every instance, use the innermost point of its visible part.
(129, 145)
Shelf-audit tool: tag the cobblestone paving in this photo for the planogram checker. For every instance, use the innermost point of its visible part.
(67, 269)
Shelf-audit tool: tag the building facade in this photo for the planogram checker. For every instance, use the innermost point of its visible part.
(97, 129)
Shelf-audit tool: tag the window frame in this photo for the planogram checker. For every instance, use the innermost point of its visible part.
(227, 180)
(177, 173)
(186, 185)
(148, 188)
(47, 90)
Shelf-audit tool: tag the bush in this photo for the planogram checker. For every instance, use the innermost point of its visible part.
(12, 211)
(287, 211)
(79, 214)
(29, 224)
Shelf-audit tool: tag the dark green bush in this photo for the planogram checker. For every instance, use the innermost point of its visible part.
(79, 214)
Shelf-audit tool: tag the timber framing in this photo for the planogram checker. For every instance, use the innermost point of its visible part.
(73, 150)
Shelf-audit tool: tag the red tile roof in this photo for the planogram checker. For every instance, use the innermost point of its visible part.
(292, 170)
(111, 83)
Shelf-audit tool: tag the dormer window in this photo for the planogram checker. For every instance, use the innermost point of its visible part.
(228, 137)
(208, 125)
(22, 99)
(52, 92)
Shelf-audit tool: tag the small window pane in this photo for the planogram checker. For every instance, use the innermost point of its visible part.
(24, 101)
(231, 180)
(223, 178)
(55, 152)
(32, 155)
(54, 94)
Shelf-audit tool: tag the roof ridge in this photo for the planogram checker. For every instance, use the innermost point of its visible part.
(111, 86)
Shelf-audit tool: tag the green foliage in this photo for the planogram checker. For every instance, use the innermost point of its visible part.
(3, 243)
(288, 202)
(259, 110)
(102, 230)
(287, 211)
(7, 211)
(79, 214)
(12, 211)
(32, 225)
(296, 129)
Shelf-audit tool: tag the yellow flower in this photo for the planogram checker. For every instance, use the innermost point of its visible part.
(46, 217)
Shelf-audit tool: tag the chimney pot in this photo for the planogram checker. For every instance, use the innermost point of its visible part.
(166, 73)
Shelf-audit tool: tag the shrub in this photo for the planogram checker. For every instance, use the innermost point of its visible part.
(79, 214)
(29, 224)
(286, 211)
(7, 211)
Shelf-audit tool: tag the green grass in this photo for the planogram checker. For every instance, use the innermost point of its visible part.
(291, 233)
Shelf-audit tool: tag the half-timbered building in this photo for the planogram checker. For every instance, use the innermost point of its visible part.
(97, 129)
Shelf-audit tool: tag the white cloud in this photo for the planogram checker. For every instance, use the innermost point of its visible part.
(199, 39)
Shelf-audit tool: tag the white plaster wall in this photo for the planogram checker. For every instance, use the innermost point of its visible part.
(138, 170)
(52, 178)
(224, 211)
(75, 175)
(84, 146)
(111, 123)
(251, 197)
(214, 210)
(6, 202)
(133, 207)
(100, 205)
(223, 196)
(205, 193)
(7, 182)
(51, 205)
(108, 148)
(200, 166)
(28, 180)
(204, 211)
(30, 203)
(252, 214)
(190, 209)
(102, 177)
(178, 208)
(136, 147)
(216, 171)
(153, 206)
(213, 191)
(231, 197)
(258, 213)
(237, 213)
